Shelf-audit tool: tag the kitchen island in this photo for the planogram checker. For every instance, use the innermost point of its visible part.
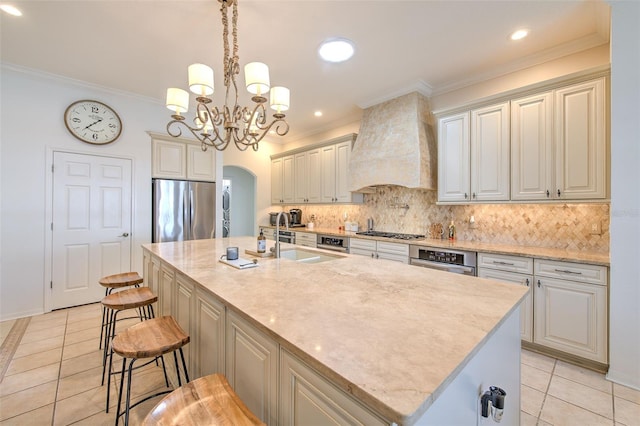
(352, 339)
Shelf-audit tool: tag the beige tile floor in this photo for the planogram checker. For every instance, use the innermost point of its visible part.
(54, 379)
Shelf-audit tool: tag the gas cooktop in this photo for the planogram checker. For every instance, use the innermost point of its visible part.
(394, 235)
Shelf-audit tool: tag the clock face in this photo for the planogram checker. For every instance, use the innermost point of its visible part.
(92, 122)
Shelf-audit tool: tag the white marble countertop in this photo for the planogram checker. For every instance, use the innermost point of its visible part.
(392, 335)
(582, 256)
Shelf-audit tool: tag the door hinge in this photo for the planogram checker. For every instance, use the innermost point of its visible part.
(52, 166)
(51, 284)
(52, 226)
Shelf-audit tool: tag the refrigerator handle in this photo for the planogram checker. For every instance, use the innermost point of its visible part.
(191, 214)
(185, 214)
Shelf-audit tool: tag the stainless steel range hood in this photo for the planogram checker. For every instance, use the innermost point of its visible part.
(395, 146)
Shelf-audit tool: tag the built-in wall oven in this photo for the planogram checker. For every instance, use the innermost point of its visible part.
(457, 261)
(330, 242)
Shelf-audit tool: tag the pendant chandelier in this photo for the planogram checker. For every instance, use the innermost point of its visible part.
(218, 127)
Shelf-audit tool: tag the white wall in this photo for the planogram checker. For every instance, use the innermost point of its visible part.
(31, 123)
(625, 194)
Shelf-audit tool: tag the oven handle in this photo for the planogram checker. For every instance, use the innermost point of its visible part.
(459, 269)
(333, 248)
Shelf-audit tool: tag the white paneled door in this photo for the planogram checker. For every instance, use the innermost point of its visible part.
(91, 225)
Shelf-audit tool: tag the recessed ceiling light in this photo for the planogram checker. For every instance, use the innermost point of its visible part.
(11, 10)
(336, 50)
(519, 34)
(318, 113)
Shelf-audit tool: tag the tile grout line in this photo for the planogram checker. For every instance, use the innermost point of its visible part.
(11, 343)
(55, 399)
(546, 392)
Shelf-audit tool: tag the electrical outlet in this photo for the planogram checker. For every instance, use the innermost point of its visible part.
(596, 228)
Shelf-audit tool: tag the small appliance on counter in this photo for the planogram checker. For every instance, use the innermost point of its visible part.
(295, 216)
(274, 215)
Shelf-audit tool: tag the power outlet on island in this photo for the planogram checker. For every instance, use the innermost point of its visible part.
(596, 228)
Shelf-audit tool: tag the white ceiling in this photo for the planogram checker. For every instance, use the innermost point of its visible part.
(144, 47)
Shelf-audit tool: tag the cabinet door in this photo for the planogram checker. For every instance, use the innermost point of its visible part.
(169, 160)
(301, 173)
(276, 181)
(154, 278)
(328, 165)
(580, 140)
(308, 399)
(201, 165)
(288, 181)
(208, 338)
(252, 367)
(314, 176)
(453, 158)
(532, 147)
(526, 307)
(343, 153)
(571, 317)
(490, 169)
(165, 293)
(182, 308)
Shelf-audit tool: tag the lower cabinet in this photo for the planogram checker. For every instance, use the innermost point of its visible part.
(184, 298)
(252, 367)
(308, 399)
(397, 252)
(571, 308)
(307, 239)
(208, 339)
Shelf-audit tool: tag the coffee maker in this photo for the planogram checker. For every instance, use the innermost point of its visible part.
(296, 217)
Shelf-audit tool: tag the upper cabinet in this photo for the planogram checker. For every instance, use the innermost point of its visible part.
(314, 175)
(550, 145)
(282, 181)
(473, 155)
(181, 160)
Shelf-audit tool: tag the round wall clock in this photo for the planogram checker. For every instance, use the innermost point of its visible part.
(92, 122)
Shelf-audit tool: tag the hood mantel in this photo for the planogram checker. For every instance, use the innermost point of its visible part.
(395, 146)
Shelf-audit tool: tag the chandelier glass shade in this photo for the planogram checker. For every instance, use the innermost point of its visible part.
(218, 127)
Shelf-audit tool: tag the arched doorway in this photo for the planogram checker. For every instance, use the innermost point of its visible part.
(239, 202)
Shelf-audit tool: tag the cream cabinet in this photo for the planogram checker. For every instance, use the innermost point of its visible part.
(183, 306)
(208, 339)
(334, 160)
(512, 269)
(473, 155)
(580, 138)
(165, 290)
(570, 302)
(282, 180)
(308, 169)
(397, 252)
(180, 160)
(532, 155)
(252, 367)
(559, 145)
(307, 398)
(307, 239)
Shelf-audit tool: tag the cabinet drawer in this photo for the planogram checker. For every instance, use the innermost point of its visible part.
(393, 248)
(356, 243)
(307, 237)
(592, 274)
(523, 265)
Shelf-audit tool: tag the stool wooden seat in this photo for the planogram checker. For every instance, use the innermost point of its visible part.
(148, 339)
(208, 400)
(141, 298)
(115, 281)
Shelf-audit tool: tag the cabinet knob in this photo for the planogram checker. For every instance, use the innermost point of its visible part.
(548, 194)
(558, 192)
(466, 196)
(527, 282)
(372, 255)
(474, 195)
(538, 283)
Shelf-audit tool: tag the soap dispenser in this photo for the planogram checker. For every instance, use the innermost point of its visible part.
(262, 242)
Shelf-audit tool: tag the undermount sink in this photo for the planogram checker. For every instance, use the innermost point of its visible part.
(307, 256)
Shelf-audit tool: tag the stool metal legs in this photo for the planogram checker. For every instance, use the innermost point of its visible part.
(129, 370)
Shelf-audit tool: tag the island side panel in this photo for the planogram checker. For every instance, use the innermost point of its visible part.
(497, 363)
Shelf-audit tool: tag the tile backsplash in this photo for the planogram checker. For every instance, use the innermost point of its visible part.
(557, 225)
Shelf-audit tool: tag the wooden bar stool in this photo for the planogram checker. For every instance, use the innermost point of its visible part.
(116, 281)
(208, 400)
(141, 298)
(148, 339)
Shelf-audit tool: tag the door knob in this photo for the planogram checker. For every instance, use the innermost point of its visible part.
(125, 234)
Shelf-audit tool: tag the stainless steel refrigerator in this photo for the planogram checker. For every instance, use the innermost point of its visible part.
(183, 210)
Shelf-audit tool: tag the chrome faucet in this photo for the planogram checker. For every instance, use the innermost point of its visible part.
(286, 223)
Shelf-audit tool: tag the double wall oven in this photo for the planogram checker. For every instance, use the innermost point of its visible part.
(457, 261)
